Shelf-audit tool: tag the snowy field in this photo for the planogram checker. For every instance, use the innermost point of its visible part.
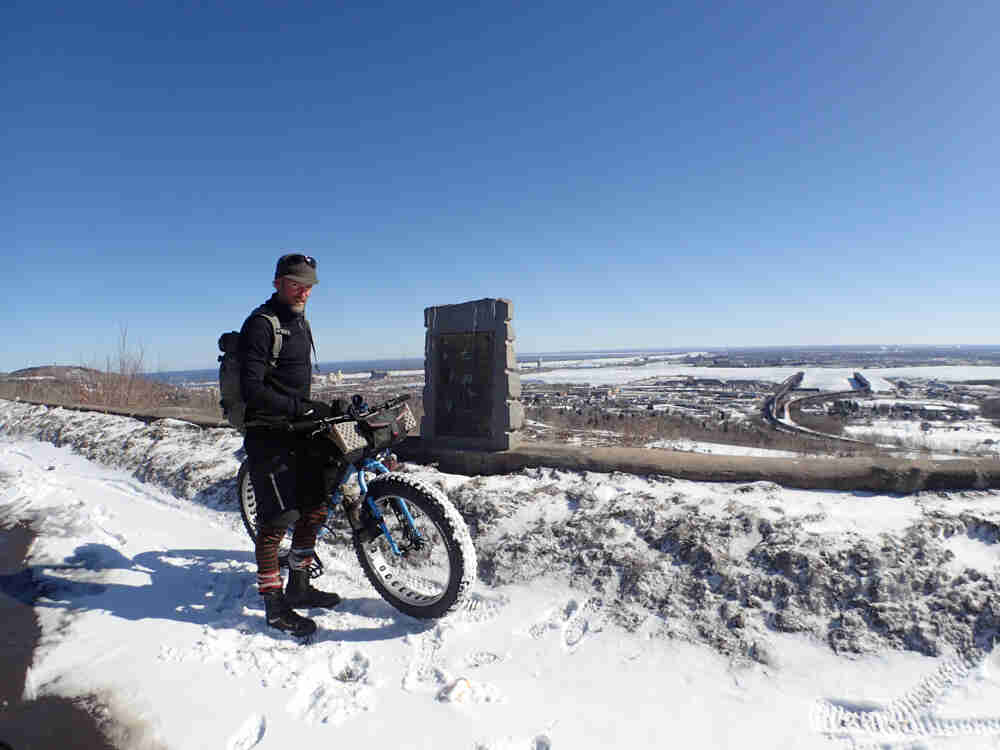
(823, 378)
(527, 363)
(613, 610)
(978, 437)
(719, 449)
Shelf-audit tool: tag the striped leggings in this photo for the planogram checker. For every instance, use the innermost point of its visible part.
(302, 552)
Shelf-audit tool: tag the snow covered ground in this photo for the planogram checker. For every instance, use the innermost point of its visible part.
(527, 364)
(719, 449)
(823, 378)
(612, 610)
(974, 436)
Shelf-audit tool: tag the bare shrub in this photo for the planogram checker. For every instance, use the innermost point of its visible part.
(122, 382)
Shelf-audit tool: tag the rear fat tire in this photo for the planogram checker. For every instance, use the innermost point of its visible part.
(248, 500)
(436, 517)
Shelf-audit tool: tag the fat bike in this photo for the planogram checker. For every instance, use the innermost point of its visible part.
(412, 544)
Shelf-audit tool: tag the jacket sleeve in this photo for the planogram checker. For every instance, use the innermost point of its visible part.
(260, 395)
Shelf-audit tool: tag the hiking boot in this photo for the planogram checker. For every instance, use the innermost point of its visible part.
(300, 593)
(281, 616)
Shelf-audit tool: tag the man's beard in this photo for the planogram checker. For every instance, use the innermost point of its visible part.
(297, 307)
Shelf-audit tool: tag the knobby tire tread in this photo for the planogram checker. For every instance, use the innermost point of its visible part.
(247, 514)
(461, 552)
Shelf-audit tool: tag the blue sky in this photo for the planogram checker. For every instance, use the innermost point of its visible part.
(630, 174)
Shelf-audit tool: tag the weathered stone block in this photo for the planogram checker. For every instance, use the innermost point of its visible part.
(515, 415)
(513, 386)
(510, 358)
(483, 314)
(471, 376)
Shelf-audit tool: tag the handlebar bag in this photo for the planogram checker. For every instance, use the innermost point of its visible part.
(376, 433)
(349, 439)
(386, 430)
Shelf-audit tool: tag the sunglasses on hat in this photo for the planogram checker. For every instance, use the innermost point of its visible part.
(295, 258)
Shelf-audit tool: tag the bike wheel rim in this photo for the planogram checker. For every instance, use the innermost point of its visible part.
(420, 578)
(249, 500)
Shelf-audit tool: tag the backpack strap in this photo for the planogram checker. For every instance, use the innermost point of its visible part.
(312, 343)
(276, 330)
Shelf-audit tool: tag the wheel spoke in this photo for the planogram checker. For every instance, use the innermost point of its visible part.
(424, 571)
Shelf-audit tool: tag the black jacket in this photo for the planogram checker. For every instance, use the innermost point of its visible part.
(275, 395)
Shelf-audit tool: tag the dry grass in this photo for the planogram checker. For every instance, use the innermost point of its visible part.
(640, 427)
(121, 384)
(107, 390)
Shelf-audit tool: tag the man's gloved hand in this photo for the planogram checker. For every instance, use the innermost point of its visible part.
(315, 410)
(358, 405)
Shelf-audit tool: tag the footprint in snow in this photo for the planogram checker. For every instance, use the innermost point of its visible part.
(332, 693)
(575, 622)
(229, 591)
(469, 692)
(249, 734)
(483, 658)
(581, 622)
(538, 742)
(552, 620)
(425, 671)
(480, 609)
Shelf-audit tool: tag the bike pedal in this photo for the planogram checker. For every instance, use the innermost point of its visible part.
(315, 567)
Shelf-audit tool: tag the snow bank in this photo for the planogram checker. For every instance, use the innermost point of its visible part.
(603, 599)
(722, 564)
(191, 462)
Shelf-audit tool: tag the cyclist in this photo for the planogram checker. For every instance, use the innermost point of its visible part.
(289, 474)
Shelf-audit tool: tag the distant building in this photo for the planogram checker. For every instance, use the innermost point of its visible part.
(379, 374)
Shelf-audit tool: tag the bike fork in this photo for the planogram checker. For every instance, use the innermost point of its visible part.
(379, 468)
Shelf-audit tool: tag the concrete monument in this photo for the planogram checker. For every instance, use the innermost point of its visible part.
(472, 389)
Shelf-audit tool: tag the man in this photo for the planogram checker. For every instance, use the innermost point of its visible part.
(287, 469)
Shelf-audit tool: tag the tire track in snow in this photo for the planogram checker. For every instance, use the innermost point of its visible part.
(909, 717)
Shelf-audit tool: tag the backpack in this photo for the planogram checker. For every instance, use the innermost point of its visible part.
(234, 408)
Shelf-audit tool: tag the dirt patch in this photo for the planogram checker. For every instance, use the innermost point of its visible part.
(49, 721)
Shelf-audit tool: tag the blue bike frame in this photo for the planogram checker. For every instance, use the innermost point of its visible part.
(377, 467)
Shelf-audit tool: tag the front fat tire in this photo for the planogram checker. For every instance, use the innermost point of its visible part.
(437, 518)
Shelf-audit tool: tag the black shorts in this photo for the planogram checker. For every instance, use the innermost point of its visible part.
(290, 473)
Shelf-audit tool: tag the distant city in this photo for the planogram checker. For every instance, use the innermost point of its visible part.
(869, 356)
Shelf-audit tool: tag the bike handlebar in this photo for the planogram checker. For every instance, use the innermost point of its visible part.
(307, 424)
